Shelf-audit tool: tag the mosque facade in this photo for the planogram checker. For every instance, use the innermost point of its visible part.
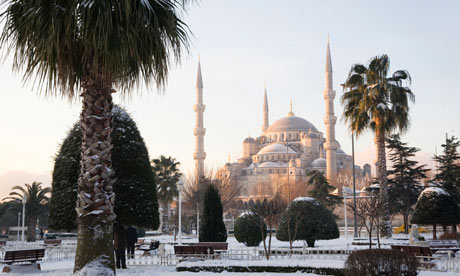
(289, 148)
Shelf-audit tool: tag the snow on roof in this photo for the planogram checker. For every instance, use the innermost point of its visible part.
(436, 190)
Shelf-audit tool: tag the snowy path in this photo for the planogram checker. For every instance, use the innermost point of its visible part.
(64, 268)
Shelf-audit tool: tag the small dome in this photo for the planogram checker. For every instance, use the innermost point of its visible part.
(291, 123)
(249, 140)
(340, 152)
(319, 163)
(276, 148)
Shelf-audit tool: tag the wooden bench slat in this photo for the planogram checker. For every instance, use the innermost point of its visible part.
(30, 255)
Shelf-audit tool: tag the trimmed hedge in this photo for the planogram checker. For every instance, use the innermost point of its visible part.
(381, 262)
(247, 230)
(276, 269)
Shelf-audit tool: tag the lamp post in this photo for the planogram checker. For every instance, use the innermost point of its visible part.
(19, 223)
(24, 201)
(355, 235)
(345, 212)
(180, 186)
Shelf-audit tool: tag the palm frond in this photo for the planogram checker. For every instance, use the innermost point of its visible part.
(58, 43)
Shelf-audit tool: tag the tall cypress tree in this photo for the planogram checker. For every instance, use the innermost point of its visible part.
(212, 227)
(136, 201)
(404, 178)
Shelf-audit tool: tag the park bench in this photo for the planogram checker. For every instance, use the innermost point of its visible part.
(193, 252)
(52, 242)
(152, 246)
(413, 249)
(217, 247)
(29, 255)
(140, 242)
(444, 245)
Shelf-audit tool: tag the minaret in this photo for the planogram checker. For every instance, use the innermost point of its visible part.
(199, 131)
(265, 111)
(331, 144)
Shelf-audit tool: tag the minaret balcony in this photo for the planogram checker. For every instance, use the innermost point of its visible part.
(199, 155)
(199, 107)
(329, 94)
(330, 119)
(198, 131)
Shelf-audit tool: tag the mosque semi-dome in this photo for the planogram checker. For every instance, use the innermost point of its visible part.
(319, 163)
(291, 123)
(276, 148)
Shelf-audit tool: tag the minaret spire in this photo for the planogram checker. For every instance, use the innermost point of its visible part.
(290, 114)
(330, 119)
(199, 131)
(265, 110)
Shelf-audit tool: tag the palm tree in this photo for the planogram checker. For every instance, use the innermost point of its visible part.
(88, 48)
(374, 101)
(36, 204)
(167, 175)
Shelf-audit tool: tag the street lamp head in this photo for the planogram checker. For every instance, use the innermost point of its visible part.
(180, 185)
(24, 199)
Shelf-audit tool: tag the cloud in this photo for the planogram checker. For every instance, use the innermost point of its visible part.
(11, 178)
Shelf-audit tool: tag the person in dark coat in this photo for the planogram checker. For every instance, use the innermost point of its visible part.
(131, 234)
(119, 242)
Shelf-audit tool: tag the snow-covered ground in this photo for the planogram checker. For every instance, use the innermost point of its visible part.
(64, 267)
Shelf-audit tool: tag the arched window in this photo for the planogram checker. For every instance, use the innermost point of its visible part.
(282, 136)
(289, 136)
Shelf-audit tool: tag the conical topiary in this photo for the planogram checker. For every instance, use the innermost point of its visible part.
(212, 227)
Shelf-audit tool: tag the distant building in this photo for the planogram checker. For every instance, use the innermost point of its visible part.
(290, 148)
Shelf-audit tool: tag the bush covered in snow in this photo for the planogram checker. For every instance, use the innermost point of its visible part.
(435, 206)
(381, 262)
(308, 220)
(135, 191)
(247, 229)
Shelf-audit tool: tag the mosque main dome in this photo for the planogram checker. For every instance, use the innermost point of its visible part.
(291, 123)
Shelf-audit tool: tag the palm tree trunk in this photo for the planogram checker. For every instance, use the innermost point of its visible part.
(31, 229)
(95, 194)
(385, 227)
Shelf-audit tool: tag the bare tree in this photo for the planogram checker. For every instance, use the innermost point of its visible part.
(369, 211)
(194, 189)
(292, 216)
(269, 210)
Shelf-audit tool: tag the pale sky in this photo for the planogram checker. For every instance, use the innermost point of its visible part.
(242, 44)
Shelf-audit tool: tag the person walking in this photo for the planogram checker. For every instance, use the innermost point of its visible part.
(119, 242)
(131, 234)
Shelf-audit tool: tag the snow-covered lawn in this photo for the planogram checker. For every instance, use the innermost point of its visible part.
(64, 267)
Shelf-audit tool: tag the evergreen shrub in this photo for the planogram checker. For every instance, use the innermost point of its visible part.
(435, 206)
(212, 226)
(247, 229)
(136, 201)
(381, 262)
(314, 222)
